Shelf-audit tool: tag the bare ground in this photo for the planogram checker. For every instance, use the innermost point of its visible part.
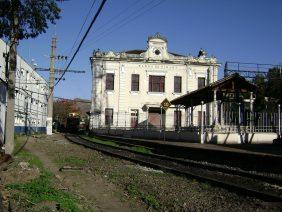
(104, 183)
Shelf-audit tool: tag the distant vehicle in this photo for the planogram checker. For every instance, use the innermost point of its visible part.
(72, 125)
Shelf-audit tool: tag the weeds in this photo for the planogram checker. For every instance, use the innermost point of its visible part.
(139, 149)
(150, 200)
(106, 142)
(31, 159)
(40, 189)
(70, 161)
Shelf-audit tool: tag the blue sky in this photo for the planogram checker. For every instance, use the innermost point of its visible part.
(231, 30)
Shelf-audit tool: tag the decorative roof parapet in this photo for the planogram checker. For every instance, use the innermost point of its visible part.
(159, 36)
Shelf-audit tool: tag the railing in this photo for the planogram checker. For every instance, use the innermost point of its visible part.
(228, 122)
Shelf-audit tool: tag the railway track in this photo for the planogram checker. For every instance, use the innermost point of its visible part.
(261, 186)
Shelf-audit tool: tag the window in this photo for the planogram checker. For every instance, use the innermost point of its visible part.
(110, 81)
(109, 112)
(177, 119)
(135, 82)
(201, 82)
(156, 83)
(177, 84)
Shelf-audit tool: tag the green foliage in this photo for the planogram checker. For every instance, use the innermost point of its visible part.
(141, 149)
(260, 103)
(71, 161)
(40, 189)
(114, 144)
(31, 159)
(274, 83)
(150, 200)
(19, 141)
(106, 142)
(270, 87)
(33, 17)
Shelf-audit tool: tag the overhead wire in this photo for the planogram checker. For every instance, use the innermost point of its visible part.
(82, 40)
(78, 34)
(125, 21)
(115, 17)
(82, 26)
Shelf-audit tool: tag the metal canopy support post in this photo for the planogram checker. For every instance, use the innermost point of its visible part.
(191, 115)
(161, 120)
(202, 123)
(147, 124)
(251, 111)
(215, 109)
(279, 122)
(222, 113)
(239, 114)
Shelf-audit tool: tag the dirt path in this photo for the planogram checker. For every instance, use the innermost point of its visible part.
(99, 192)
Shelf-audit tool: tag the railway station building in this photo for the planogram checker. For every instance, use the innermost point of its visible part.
(129, 87)
(31, 92)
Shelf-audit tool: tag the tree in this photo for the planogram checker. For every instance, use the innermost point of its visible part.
(274, 83)
(270, 87)
(62, 109)
(260, 103)
(21, 19)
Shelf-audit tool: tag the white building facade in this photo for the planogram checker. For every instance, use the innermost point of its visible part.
(31, 93)
(129, 87)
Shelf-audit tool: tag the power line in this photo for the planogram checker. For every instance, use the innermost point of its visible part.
(127, 20)
(81, 42)
(115, 17)
(85, 19)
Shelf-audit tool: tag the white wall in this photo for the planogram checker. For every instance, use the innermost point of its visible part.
(30, 93)
(122, 99)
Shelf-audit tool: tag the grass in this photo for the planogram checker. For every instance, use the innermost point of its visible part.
(40, 189)
(139, 149)
(69, 161)
(99, 141)
(150, 200)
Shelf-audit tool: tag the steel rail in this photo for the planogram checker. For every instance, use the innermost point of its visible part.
(163, 163)
(210, 166)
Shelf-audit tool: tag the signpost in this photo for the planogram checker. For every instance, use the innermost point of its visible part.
(164, 105)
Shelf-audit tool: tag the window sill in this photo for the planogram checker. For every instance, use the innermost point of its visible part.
(109, 91)
(134, 92)
(156, 93)
(178, 94)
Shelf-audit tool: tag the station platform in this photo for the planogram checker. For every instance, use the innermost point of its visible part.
(260, 157)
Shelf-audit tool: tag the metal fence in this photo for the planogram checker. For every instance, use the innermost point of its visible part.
(228, 121)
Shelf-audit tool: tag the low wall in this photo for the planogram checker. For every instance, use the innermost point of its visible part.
(193, 136)
(244, 138)
(150, 134)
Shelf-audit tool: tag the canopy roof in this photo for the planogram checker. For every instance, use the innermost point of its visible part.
(231, 84)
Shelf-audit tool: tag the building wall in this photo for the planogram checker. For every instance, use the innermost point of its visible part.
(123, 100)
(31, 92)
(2, 109)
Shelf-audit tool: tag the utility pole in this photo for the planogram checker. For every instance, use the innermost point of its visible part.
(51, 87)
(10, 112)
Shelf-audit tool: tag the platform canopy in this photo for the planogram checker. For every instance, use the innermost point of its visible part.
(233, 84)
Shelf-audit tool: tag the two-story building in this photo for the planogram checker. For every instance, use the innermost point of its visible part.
(129, 87)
